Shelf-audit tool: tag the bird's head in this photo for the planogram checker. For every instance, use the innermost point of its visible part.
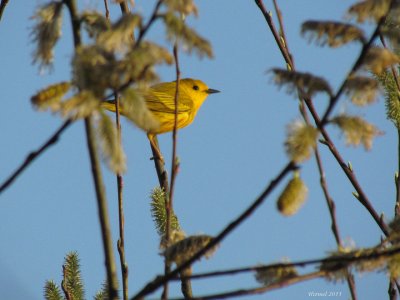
(196, 89)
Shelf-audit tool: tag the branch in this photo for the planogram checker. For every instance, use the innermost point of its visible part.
(362, 197)
(337, 262)
(156, 283)
(97, 177)
(356, 65)
(349, 173)
(3, 5)
(124, 6)
(259, 290)
(107, 10)
(121, 216)
(333, 264)
(33, 155)
(153, 17)
(277, 38)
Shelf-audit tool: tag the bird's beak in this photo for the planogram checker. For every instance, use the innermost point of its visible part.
(212, 91)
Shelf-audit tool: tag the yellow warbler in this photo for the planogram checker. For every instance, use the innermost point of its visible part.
(160, 100)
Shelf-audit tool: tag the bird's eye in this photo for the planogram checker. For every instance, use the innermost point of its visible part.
(196, 87)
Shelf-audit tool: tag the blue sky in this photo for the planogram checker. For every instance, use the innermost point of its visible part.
(228, 155)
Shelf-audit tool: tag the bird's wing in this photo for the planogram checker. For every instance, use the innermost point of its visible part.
(164, 102)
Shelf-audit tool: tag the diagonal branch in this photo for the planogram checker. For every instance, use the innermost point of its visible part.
(358, 63)
(260, 290)
(34, 154)
(349, 173)
(159, 281)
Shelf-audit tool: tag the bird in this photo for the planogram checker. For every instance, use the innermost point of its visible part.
(160, 100)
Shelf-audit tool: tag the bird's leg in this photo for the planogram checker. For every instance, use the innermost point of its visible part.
(154, 147)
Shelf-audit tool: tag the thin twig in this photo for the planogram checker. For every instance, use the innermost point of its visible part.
(169, 200)
(107, 10)
(103, 212)
(97, 176)
(323, 183)
(34, 154)
(357, 65)
(392, 290)
(3, 5)
(121, 216)
(159, 281)
(160, 168)
(362, 197)
(186, 285)
(349, 173)
(277, 38)
(282, 32)
(263, 289)
(153, 17)
(337, 262)
(174, 165)
(124, 6)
